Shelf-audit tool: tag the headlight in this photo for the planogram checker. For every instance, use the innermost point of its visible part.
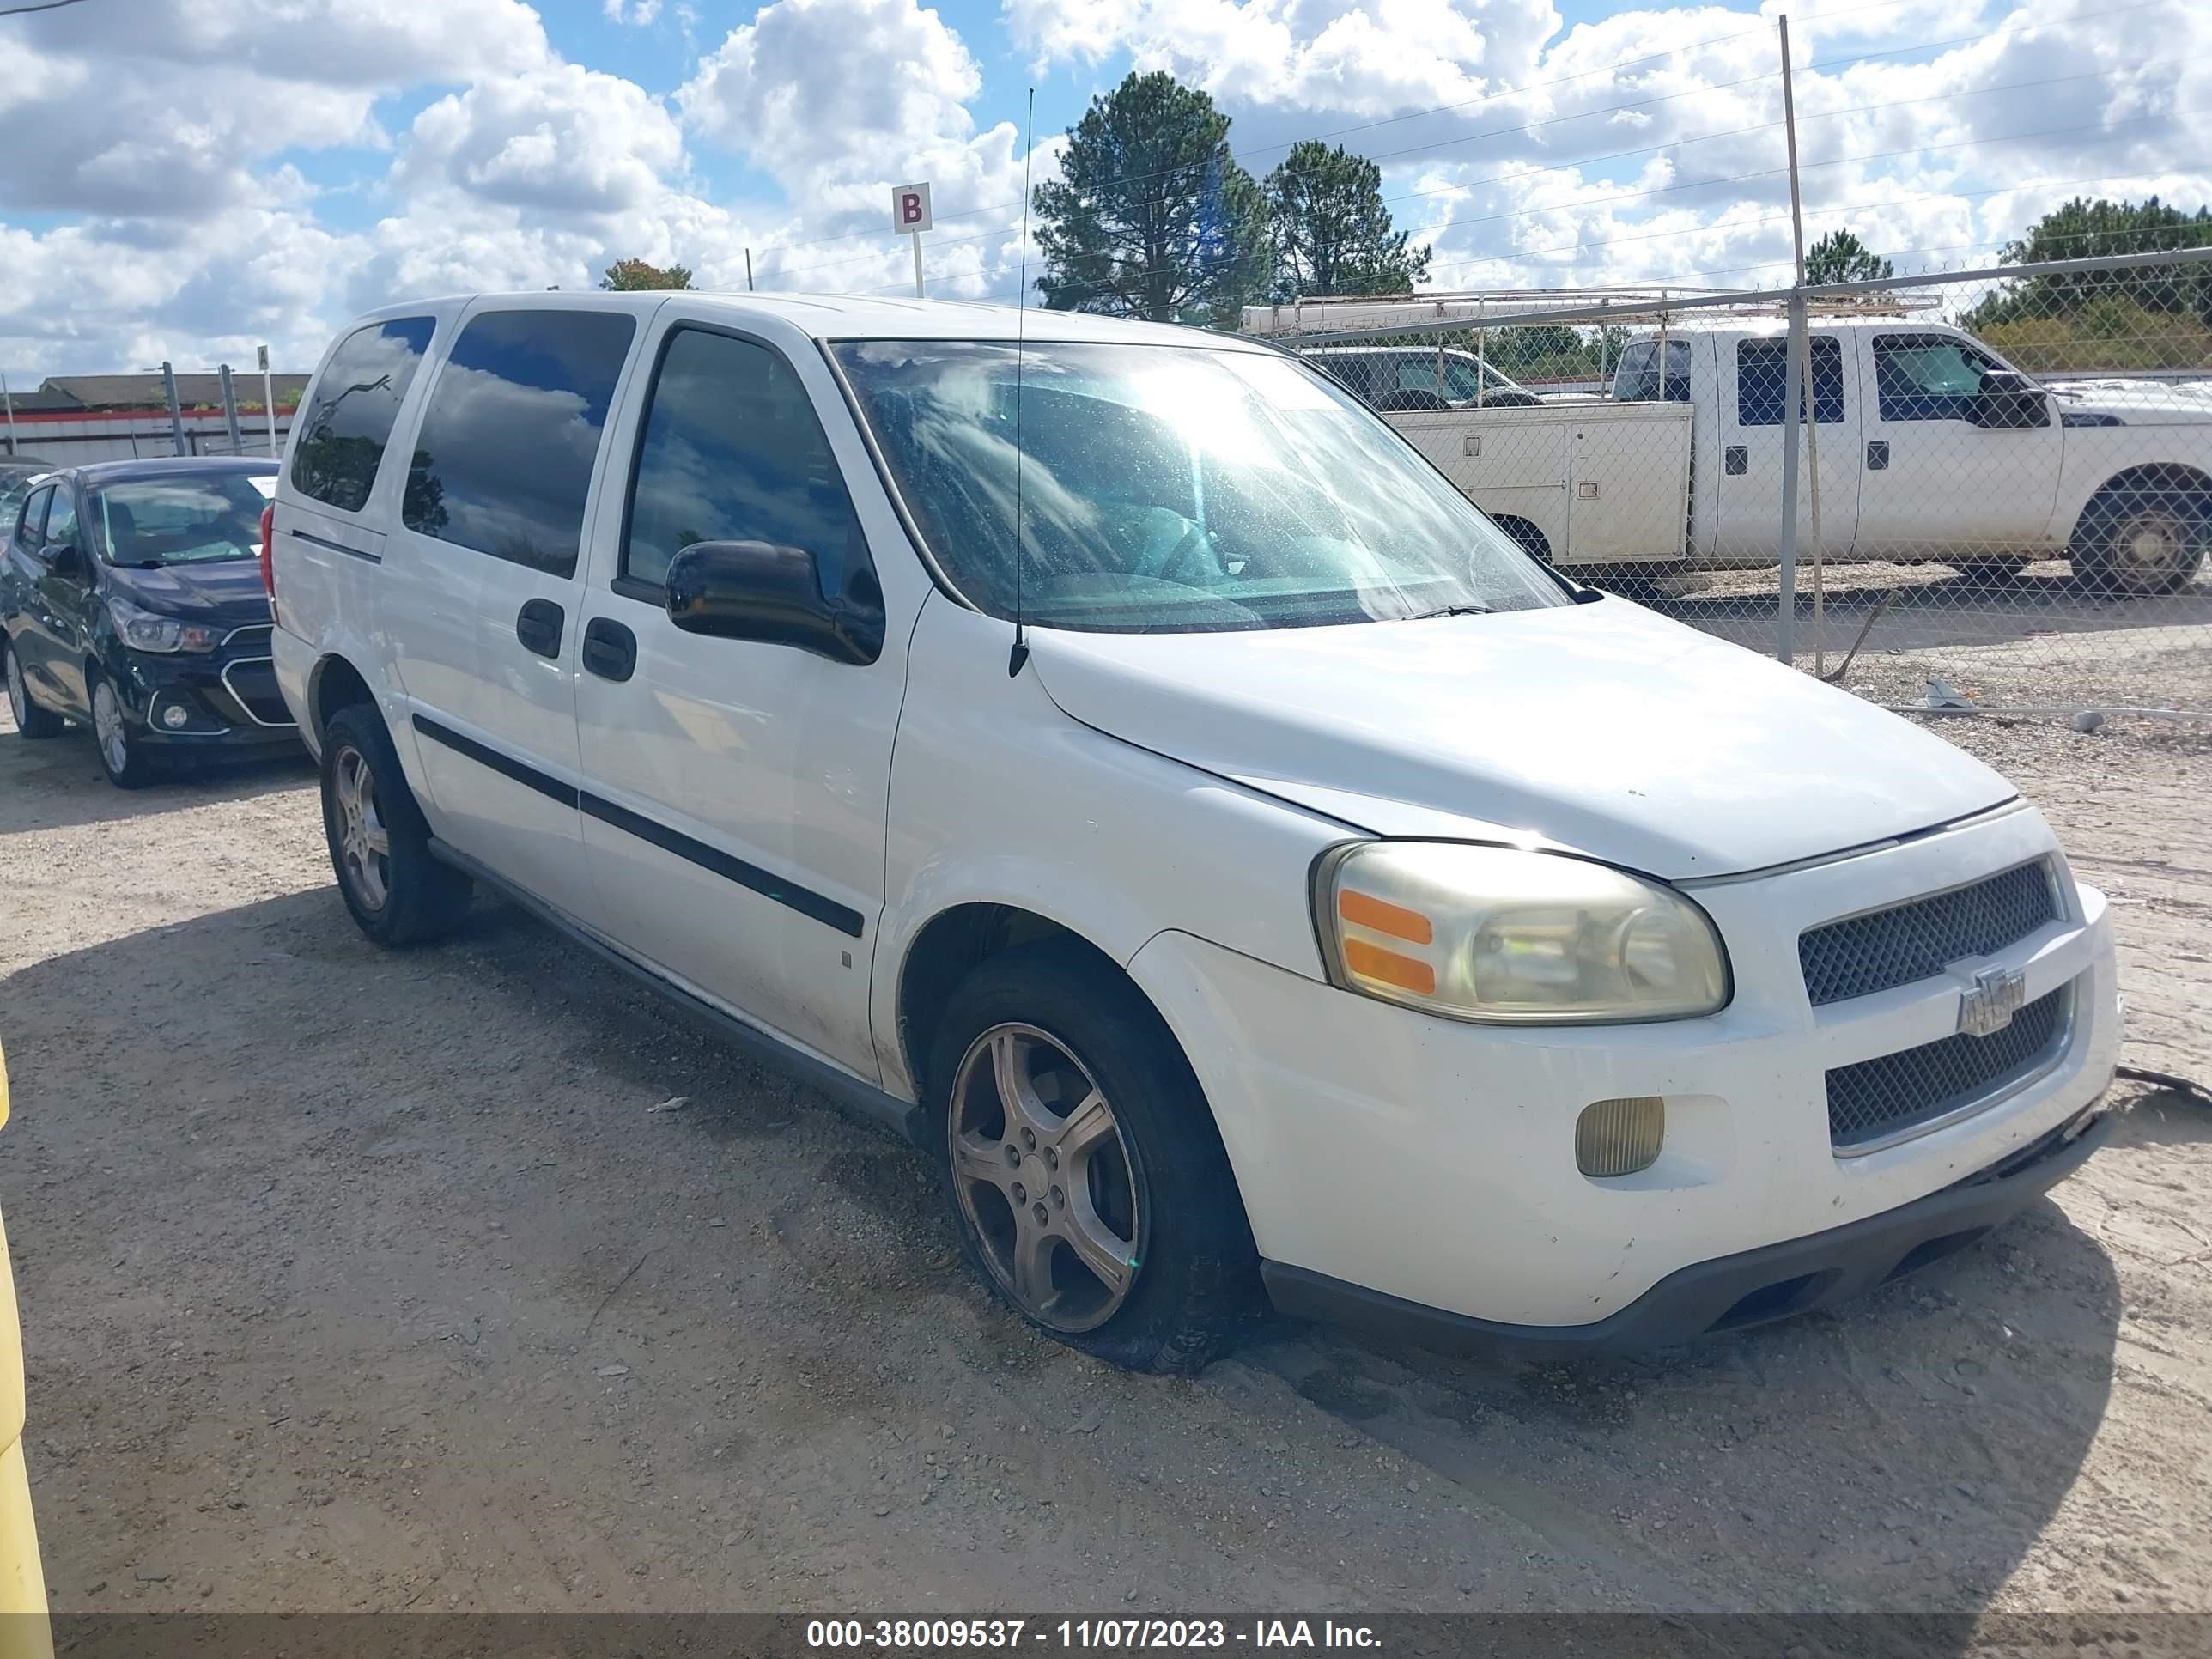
(146, 630)
(1495, 934)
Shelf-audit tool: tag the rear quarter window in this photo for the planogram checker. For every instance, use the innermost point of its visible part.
(349, 415)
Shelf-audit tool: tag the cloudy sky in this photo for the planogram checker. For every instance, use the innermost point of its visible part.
(184, 178)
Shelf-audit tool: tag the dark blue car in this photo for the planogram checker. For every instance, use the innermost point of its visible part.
(132, 601)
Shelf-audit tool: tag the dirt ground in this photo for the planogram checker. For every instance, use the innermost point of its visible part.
(360, 1281)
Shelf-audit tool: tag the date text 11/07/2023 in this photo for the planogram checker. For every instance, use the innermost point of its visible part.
(1112, 1635)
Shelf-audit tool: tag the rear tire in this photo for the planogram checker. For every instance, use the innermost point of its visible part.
(398, 891)
(2142, 539)
(1131, 1174)
(31, 720)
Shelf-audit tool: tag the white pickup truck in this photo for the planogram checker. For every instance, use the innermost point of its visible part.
(1926, 447)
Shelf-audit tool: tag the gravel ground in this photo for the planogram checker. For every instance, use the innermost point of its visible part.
(2038, 639)
(360, 1281)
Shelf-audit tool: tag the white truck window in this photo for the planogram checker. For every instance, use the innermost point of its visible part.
(1927, 377)
(1638, 381)
(1762, 372)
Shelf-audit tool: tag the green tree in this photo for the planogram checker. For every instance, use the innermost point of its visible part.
(1151, 216)
(630, 275)
(1333, 233)
(1840, 257)
(2083, 229)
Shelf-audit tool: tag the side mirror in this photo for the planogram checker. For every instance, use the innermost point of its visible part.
(2009, 399)
(64, 559)
(772, 595)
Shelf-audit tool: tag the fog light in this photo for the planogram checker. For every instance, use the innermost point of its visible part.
(1620, 1137)
(174, 716)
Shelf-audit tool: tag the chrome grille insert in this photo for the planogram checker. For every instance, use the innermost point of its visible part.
(1917, 940)
(1876, 1103)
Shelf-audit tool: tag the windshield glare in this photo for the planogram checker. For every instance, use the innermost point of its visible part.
(179, 520)
(1168, 489)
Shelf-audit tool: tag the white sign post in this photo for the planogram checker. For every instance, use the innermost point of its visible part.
(910, 217)
(268, 397)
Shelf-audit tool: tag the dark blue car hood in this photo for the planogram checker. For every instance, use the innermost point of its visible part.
(223, 592)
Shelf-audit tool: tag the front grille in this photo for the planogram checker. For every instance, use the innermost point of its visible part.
(252, 683)
(1875, 1099)
(1860, 955)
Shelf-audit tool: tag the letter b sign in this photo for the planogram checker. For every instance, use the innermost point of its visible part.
(909, 209)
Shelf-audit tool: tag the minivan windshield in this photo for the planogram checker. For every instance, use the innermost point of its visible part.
(1170, 488)
(179, 520)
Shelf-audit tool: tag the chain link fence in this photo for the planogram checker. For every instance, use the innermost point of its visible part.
(1997, 490)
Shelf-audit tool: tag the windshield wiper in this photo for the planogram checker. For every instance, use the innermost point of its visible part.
(1450, 611)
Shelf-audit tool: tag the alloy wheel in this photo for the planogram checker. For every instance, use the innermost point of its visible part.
(2149, 549)
(19, 695)
(1044, 1177)
(364, 843)
(108, 727)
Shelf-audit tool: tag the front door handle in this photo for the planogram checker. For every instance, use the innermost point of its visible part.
(610, 649)
(539, 627)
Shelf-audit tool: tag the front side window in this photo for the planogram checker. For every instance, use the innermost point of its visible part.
(348, 419)
(1169, 489)
(731, 452)
(177, 521)
(1928, 377)
(1762, 369)
(512, 435)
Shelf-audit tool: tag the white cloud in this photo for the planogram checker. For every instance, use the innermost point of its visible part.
(1641, 147)
(562, 139)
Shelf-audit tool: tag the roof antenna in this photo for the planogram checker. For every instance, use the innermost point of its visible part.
(1020, 653)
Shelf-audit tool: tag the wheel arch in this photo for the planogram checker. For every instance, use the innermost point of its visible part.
(947, 948)
(335, 684)
(2145, 475)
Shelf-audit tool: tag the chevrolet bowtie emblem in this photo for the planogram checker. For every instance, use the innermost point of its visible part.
(1996, 997)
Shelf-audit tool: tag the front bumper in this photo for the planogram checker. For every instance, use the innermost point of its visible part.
(1735, 1292)
(1432, 1163)
(228, 696)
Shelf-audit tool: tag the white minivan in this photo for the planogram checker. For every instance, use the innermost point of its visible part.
(1255, 880)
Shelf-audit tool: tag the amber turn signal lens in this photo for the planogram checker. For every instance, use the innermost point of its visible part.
(1388, 968)
(1383, 917)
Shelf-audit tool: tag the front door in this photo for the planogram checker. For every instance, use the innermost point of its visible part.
(67, 590)
(1935, 482)
(482, 582)
(736, 793)
(1753, 390)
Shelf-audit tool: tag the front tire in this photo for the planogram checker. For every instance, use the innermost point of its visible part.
(123, 756)
(1082, 1165)
(397, 890)
(31, 720)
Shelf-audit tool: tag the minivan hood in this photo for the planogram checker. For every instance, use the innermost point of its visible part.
(218, 593)
(1603, 728)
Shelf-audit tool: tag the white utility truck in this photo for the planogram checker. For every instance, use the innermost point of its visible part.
(1926, 447)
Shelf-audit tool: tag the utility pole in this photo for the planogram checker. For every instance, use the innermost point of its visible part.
(176, 414)
(230, 410)
(268, 397)
(1796, 360)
